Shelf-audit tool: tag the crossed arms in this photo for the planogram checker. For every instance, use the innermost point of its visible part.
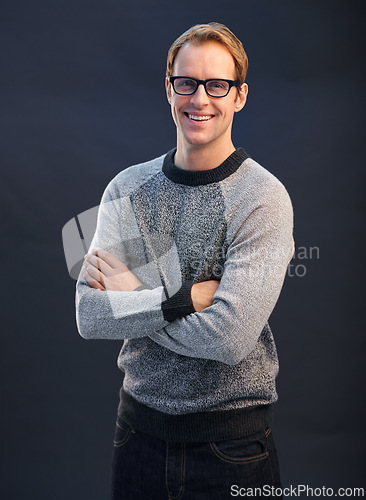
(103, 271)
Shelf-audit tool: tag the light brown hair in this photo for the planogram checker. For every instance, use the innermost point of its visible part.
(201, 33)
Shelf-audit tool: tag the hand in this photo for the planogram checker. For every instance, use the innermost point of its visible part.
(104, 271)
(202, 294)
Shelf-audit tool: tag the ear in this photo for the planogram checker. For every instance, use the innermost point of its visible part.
(168, 88)
(241, 98)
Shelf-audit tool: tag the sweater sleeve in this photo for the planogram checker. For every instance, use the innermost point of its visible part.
(121, 315)
(255, 267)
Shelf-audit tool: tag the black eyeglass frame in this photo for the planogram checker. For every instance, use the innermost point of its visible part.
(232, 83)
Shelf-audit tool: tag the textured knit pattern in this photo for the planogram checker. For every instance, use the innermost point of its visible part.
(173, 228)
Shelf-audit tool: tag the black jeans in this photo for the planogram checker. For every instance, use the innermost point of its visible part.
(146, 468)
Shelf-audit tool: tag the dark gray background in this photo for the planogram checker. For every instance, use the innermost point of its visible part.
(82, 88)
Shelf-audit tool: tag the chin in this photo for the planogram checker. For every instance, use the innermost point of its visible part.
(197, 140)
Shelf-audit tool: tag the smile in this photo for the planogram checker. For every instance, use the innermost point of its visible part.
(199, 118)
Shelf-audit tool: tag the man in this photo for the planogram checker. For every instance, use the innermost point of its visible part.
(186, 266)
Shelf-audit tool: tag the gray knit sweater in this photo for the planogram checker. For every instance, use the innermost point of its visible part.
(187, 375)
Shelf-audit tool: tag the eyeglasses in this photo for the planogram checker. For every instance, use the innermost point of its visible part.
(215, 87)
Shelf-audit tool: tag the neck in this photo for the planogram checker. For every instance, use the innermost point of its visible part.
(199, 158)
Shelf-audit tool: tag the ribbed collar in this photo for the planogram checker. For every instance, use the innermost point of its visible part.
(201, 177)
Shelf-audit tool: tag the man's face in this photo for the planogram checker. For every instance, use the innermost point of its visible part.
(204, 61)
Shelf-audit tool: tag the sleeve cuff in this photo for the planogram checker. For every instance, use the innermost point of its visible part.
(179, 304)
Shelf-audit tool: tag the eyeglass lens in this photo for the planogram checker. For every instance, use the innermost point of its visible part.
(214, 88)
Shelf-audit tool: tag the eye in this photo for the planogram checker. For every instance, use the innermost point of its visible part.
(216, 84)
(184, 83)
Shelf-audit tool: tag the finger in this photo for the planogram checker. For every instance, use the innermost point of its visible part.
(110, 259)
(94, 273)
(92, 282)
(99, 264)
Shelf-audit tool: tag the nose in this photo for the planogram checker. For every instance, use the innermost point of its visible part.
(200, 97)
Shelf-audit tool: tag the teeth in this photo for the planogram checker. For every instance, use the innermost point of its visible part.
(198, 118)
